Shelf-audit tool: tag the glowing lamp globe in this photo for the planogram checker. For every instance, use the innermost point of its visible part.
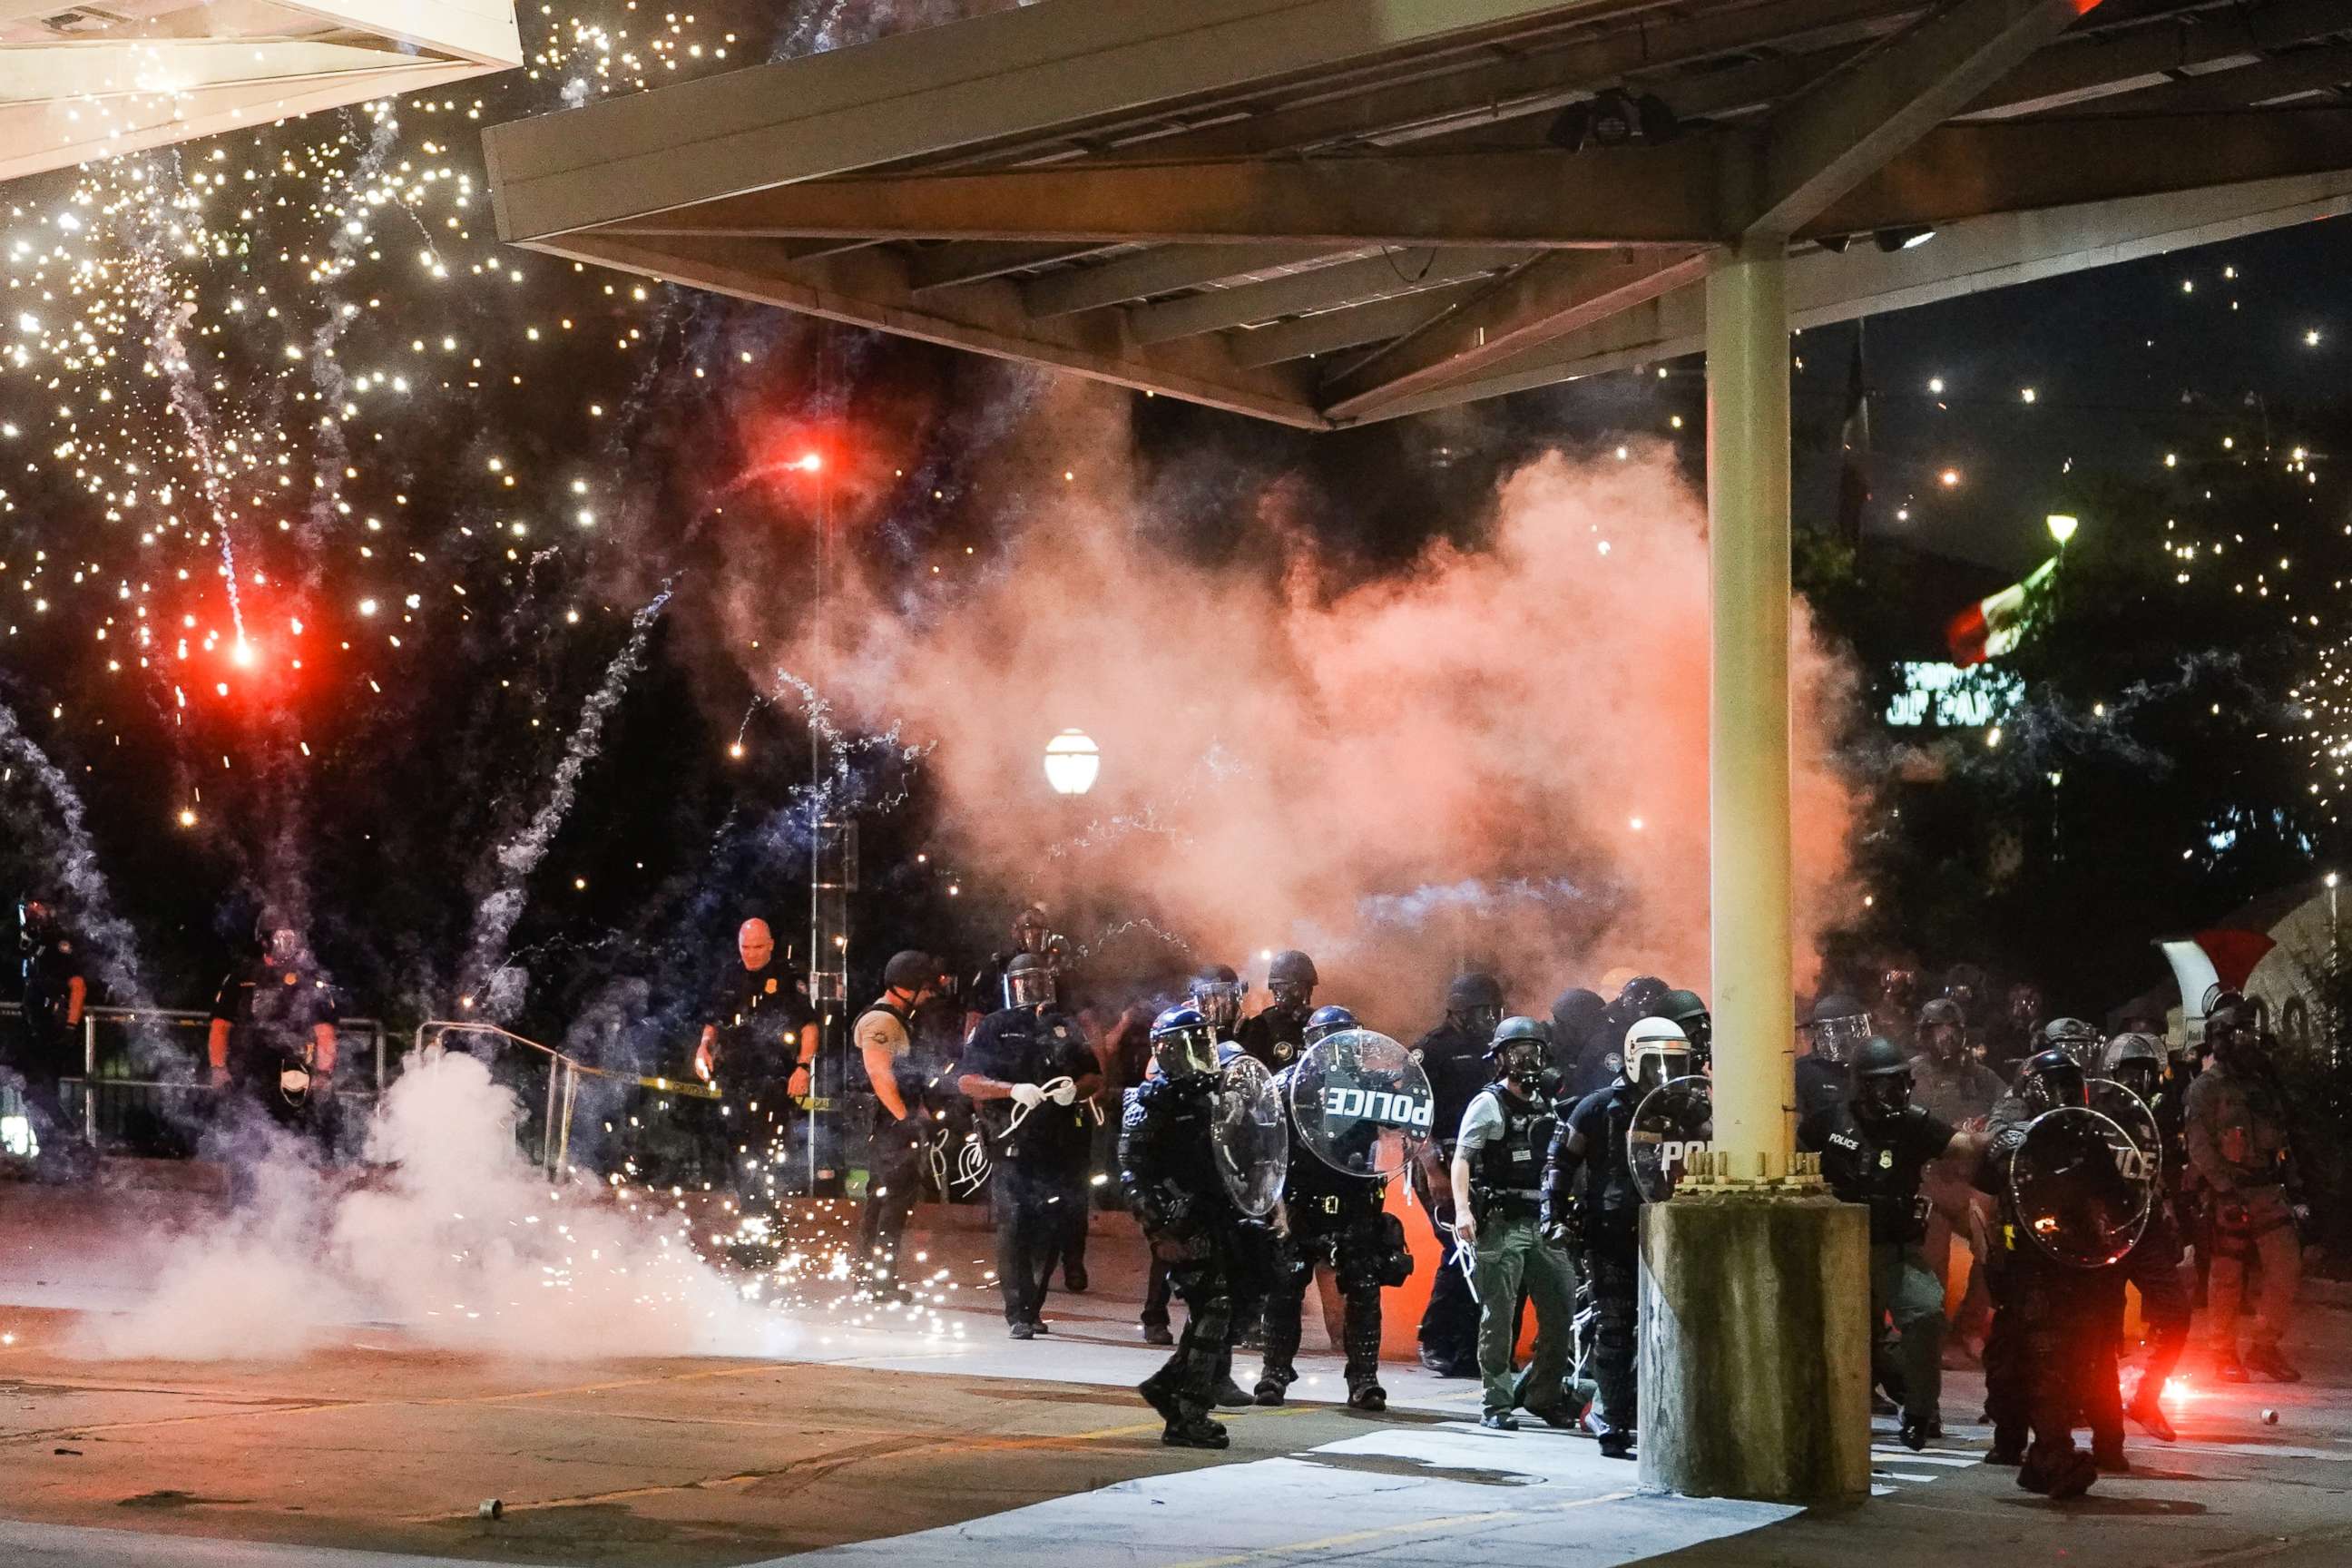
(1072, 761)
(2062, 527)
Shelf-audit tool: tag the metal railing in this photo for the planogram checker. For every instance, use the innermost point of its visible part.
(563, 1077)
(90, 1086)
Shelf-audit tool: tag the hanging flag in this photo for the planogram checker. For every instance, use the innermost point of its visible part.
(1853, 473)
(1991, 627)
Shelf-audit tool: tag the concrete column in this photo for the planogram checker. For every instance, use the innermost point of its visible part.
(1748, 731)
(1754, 1284)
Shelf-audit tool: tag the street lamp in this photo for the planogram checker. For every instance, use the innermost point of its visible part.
(2063, 526)
(1072, 761)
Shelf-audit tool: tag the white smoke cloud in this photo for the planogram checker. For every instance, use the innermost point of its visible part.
(455, 1238)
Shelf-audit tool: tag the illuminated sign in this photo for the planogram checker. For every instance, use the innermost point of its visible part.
(1952, 697)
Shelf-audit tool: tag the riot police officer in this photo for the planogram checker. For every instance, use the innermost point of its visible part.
(1876, 1146)
(1589, 1060)
(271, 1038)
(1833, 1032)
(1953, 1087)
(1275, 1035)
(1219, 993)
(49, 1011)
(1686, 1010)
(2040, 1364)
(1030, 1072)
(1216, 992)
(1454, 1055)
(884, 1035)
(1602, 1226)
(1334, 1221)
(2136, 1061)
(1497, 1180)
(1168, 1167)
(2241, 1146)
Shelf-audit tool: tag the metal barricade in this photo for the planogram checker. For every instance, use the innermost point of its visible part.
(563, 1075)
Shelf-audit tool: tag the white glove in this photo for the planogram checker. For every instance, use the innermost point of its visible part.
(1027, 1096)
(1063, 1092)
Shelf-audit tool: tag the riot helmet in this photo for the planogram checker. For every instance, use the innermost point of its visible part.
(1183, 1043)
(1656, 1050)
(1965, 983)
(1290, 979)
(1328, 1020)
(1217, 991)
(2052, 1078)
(1879, 1089)
(1688, 1009)
(2025, 1005)
(2233, 1031)
(913, 972)
(1520, 1050)
(1943, 1031)
(1475, 1002)
(2074, 1037)
(1576, 1014)
(2136, 1061)
(274, 934)
(1898, 988)
(1837, 1028)
(1639, 996)
(1030, 931)
(1028, 980)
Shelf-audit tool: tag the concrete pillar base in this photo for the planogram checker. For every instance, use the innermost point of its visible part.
(1754, 1355)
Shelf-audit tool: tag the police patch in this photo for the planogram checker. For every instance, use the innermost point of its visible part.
(1886, 1158)
(772, 985)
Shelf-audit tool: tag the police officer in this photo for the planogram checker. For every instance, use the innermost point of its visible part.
(1876, 1146)
(1029, 1069)
(1686, 1011)
(271, 1039)
(49, 1008)
(1589, 1060)
(2011, 1035)
(2155, 1268)
(1033, 932)
(2046, 1315)
(1215, 992)
(1168, 1168)
(1334, 1221)
(2239, 1144)
(1602, 1227)
(1275, 1035)
(884, 1035)
(1832, 1033)
(1219, 993)
(759, 1038)
(1454, 1055)
(1497, 1180)
(1949, 1084)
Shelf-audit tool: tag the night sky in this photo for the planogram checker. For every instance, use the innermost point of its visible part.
(451, 478)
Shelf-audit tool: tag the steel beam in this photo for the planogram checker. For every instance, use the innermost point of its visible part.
(1163, 271)
(1545, 300)
(1316, 289)
(1329, 331)
(1852, 123)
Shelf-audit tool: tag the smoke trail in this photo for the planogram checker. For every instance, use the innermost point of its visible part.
(326, 370)
(108, 937)
(498, 988)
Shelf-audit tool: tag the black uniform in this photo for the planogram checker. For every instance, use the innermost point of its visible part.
(273, 1011)
(45, 1049)
(2157, 1266)
(2040, 1360)
(894, 1178)
(1274, 1037)
(1821, 1084)
(1880, 1164)
(1604, 1221)
(1038, 1158)
(1168, 1169)
(1455, 1060)
(1336, 1222)
(758, 1015)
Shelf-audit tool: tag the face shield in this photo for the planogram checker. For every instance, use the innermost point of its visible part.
(2140, 1075)
(1291, 995)
(1185, 1052)
(1219, 1001)
(2057, 1087)
(281, 945)
(1944, 1042)
(1032, 987)
(1652, 1064)
(1835, 1040)
(1481, 1019)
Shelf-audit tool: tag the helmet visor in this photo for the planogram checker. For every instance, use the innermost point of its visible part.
(1185, 1052)
(1837, 1039)
(1028, 987)
(1220, 1000)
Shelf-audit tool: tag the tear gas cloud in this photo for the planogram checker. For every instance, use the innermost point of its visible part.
(1496, 757)
(456, 1238)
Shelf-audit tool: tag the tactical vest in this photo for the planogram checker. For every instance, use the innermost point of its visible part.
(1509, 1172)
(912, 1081)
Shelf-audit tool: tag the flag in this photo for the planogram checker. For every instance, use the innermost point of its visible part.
(1853, 473)
(1991, 627)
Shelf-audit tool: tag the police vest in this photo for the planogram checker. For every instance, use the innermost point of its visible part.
(1510, 1167)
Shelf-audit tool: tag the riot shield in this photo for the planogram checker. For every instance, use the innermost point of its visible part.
(2130, 1113)
(2081, 1188)
(1673, 1122)
(1361, 1104)
(1250, 1134)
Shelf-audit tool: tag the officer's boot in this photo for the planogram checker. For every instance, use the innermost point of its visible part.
(1367, 1395)
(2227, 1366)
(2263, 1356)
(1274, 1382)
(2145, 1410)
